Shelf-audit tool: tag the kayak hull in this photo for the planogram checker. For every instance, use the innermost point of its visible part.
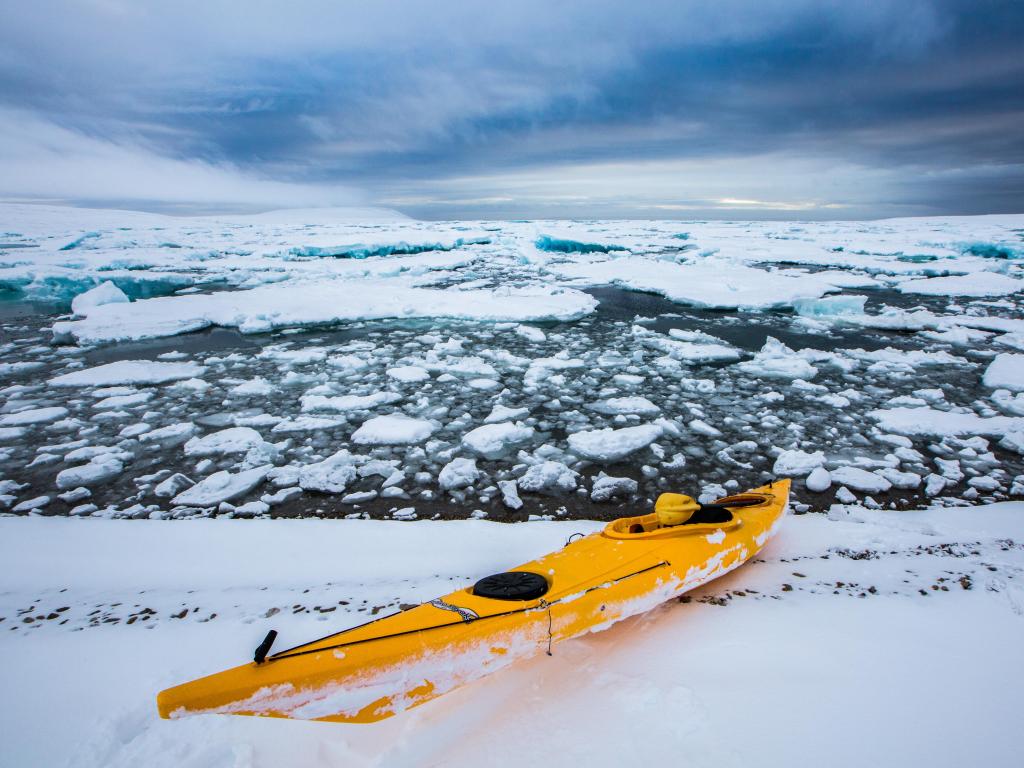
(379, 669)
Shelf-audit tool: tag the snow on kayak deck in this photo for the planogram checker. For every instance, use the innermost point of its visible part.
(858, 637)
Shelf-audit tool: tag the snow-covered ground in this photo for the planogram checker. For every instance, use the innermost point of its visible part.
(857, 637)
(336, 362)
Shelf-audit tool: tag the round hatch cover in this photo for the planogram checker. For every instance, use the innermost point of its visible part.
(512, 585)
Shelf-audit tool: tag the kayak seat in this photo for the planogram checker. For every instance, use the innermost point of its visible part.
(710, 513)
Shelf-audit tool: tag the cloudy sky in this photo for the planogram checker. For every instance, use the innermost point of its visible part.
(518, 109)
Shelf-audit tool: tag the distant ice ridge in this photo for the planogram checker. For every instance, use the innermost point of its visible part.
(362, 251)
(298, 304)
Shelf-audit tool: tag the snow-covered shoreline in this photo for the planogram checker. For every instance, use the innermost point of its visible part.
(855, 636)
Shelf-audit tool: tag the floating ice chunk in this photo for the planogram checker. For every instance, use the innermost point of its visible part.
(610, 445)
(950, 469)
(894, 319)
(408, 374)
(405, 513)
(957, 336)
(358, 497)
(307, 424)
(128, 372)
(628, 379)
(606, 488)
(615, 405)
(985, 483)
(549, 477)
(830, 306)
(93, 473)
(906, 400)
(466, 366)
(797, 463)
(104, 293)
(1014, 441)
(190, 385)
(1008, 402)
(688, 346)
(712, 492)
(541, 368)
(977, 284)
(251, 509)
(701, 427)
(1013, 340)
(301, 303)
(303, 356)
(930, 395)
(75, 495)
(393, 429)
(123, 401)
(819, 480)
(905, 480)
(377, 467)
(860, 479)
(281, 496)
(221, 486)
(94, 452)
(484, 385)
(33, 416)
(1006, 371)
(844, 496)
(32, 505)
(510, 494)
(346, 403)
(8, 370)
(173, 485)
(504, 413)
(494, 441)
(531, 333)
(8, 434)
(332, 475)
(711, 282)
(227, 441)
(776, 360)
(171, 435)
(257, 387)
(458, 473)
(348, 363)
(916, 422)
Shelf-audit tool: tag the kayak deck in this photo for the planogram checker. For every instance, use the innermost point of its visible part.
(372, 671)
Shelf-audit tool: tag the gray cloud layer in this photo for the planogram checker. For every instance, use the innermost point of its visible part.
(522, 109)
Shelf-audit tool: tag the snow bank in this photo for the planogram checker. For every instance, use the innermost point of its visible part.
(737, 629)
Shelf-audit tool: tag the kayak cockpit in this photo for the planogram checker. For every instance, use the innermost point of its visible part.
(703, 518)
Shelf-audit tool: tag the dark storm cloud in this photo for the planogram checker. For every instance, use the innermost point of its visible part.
(449, 109)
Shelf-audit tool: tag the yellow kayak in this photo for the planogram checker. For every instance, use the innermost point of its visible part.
(391, 664)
